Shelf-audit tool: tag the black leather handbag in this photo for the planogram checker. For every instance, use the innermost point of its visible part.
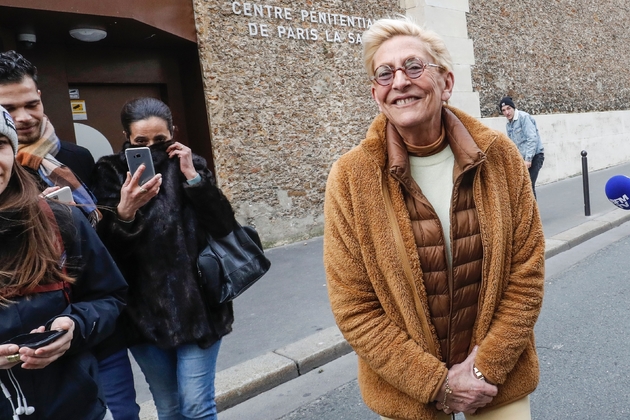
(230, 265)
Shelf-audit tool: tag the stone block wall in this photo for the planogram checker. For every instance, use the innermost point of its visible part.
(551, 56)
(448, 19)
(286, 95)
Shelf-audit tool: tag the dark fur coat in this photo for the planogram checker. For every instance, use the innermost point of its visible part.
(157, 252)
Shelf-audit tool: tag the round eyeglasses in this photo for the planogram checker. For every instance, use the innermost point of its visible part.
(413, 68)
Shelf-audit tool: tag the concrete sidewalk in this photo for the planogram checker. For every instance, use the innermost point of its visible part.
(254, 361)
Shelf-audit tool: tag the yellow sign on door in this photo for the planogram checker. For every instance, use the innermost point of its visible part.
(78, 110)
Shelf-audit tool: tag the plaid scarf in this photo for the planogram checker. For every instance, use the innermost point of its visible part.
(40, 156)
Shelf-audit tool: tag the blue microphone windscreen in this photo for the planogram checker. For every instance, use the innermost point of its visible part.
(618, 191)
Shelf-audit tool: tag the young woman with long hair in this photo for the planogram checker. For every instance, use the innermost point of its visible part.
(55, 274)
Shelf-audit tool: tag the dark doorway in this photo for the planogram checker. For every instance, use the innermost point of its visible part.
(101, 105)
(135, 59)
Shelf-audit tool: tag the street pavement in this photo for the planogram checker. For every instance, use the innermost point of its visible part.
(581, 338)
(284, 327)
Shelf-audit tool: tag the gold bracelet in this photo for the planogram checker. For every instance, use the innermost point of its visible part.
(447, 391)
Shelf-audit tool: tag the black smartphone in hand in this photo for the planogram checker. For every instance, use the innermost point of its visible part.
(37, 339)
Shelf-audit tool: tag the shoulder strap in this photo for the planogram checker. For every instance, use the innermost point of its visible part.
(51, 287)
(404, 259)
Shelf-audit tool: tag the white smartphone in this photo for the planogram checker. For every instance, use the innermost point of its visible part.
(137, 156)
(63, 194)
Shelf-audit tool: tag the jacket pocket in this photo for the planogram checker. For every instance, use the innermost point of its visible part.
(78, 394)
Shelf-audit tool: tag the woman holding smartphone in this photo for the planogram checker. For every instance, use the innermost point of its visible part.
(155, 231)
(55, 274)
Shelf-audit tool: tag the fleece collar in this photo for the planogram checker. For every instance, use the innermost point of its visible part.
(515, 117)
(468, 138)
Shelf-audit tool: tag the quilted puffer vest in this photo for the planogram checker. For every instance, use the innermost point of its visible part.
(453, 297)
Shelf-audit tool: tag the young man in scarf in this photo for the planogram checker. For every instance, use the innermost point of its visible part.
(57, 163)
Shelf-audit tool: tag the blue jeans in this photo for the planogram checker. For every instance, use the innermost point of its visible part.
(181, 380)
(116, 378)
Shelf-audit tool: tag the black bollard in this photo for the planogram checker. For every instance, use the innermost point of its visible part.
(587, 196)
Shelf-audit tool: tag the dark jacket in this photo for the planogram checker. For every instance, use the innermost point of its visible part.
(157, 252)
(77, 158)
(67, 388)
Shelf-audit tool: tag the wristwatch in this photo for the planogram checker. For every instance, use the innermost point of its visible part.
(478, 374)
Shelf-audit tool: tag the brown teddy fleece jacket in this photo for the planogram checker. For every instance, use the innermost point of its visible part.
(374, 305)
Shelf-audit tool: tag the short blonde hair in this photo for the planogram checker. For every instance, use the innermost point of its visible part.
(384, 29)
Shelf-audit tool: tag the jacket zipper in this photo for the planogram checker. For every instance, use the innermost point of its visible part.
(451, 280)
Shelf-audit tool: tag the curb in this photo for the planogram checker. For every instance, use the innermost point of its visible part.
(253, 377)
(582, 233)
(244, 381)
(248, 379)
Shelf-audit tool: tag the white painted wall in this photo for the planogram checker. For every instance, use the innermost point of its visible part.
(604, 135)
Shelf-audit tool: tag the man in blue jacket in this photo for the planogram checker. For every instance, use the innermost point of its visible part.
(522, 130)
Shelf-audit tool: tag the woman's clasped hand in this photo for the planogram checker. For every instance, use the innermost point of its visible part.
(467, 392)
